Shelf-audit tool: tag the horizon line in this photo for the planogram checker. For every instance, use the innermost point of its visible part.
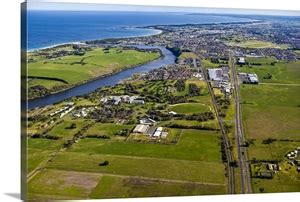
(33, 6)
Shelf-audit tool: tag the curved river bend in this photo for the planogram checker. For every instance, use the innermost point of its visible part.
(166, 59)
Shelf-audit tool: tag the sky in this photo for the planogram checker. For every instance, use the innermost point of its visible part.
(269, 7)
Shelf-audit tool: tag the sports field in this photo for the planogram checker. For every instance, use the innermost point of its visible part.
(257, 44)
(189, 108)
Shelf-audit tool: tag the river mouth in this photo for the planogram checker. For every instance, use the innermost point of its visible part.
(110, 80)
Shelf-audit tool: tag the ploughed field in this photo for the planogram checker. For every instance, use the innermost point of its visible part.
(59, 68)
(271, 121)
(110, 161)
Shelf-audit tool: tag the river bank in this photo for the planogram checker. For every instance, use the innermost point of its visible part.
(87, 87)
(36, 91)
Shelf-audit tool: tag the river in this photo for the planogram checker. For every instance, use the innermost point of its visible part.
(88, 87)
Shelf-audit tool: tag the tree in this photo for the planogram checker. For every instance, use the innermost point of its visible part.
(180, 85)
(268, 76)
(105, 163)
(72, 126)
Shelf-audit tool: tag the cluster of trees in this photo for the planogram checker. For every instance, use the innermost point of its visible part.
(194, 90)
(37, 91)
(227, 127)
(223, 104)
(268, 141)
(177, 99)
(124, 132)
(180, 85)
(199, 127)
(157, 115)
(72, 126)
(98, 136)
(130, 89)
(47, 136)
(199, 117)
(107, 113)
(77, 136)
(160, 116)
(223, 148)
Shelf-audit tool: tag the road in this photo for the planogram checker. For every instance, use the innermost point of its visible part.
(230, 169)
(239, 133)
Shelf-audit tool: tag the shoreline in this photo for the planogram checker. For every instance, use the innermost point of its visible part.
(84, 42)
(150, 27)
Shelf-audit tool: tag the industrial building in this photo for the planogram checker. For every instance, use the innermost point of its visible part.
(141, 128)
(248, 78)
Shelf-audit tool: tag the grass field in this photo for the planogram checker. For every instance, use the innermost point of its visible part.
(282, 72)
(261, 60)
(208, 64)
(35, 157)
(189, 108)
(271, 110)
(97, 186)
(63, 130)
(75, 69)
(185, 55)
(287, 180)
(194, 145)
(257, 44)
(273, 151)
(109, 129)
(119, 187)
(70, 184)
(194, 171)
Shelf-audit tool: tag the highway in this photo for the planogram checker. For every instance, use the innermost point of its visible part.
(239, 133)
(230, 169)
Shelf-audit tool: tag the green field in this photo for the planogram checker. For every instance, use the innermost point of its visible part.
(97, 186)
(189, 108)
(287, 180)
(282, 72)
(76, 69)
(185, 55)
(158, 168)
(118, 187)
(271, 110)
(257, 44)
(273, 151)
(192, 166)
(186, 162)
(208, 64)
(108, 129)
(68, 184)
(194, 145)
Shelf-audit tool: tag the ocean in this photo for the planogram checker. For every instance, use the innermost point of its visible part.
(48, 28)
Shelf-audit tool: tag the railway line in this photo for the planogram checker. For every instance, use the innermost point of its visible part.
(227, 146)
(239, 133)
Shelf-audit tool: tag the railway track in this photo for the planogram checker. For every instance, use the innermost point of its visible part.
(239, 134)
(230, 169)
